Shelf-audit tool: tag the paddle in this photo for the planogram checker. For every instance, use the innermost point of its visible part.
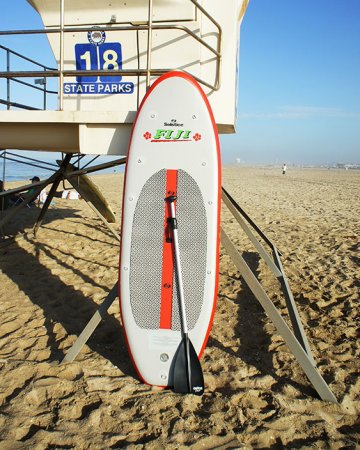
(188, 376)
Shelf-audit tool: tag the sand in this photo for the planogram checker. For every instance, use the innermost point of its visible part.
(257, 395)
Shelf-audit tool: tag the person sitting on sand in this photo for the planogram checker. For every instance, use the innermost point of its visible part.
(42, 197)
(70, 194)
(22, 196)
(33, 180)
(31, 191)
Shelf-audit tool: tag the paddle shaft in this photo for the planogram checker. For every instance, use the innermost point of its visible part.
(188, 376)
(178, 268)
(173, 223)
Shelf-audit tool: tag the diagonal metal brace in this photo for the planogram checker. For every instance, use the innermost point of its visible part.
(274, 264)
(303, 358)
(91, 326)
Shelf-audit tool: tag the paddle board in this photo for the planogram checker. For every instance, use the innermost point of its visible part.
(91, 192)
(173, 150)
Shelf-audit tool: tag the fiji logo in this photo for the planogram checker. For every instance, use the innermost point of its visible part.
(172, 136)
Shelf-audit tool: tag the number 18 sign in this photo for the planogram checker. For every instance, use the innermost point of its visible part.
(98, 55)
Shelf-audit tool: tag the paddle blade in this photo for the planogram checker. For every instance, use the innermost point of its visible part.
(188, 375)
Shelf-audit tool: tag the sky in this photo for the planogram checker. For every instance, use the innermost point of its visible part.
(299, 79)
(299, 83)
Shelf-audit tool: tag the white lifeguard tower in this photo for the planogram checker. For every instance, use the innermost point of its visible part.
(107, 54)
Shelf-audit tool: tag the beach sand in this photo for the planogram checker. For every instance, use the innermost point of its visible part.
(257, 395)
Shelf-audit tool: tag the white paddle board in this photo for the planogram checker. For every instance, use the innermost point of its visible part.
(173, 150)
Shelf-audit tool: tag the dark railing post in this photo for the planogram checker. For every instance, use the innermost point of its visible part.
(8, 79)
(44, 87)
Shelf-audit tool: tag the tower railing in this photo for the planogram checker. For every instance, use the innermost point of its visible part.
(40, 83)
(148, 71)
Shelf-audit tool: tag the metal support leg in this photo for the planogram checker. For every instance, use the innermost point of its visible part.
(91, 326)
(303, 358)
(275, 266)
(248, 219)
(292, 309)
(234, 211)
(56, 181)
(83, 194)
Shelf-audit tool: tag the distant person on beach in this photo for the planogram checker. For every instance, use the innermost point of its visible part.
(284, 169)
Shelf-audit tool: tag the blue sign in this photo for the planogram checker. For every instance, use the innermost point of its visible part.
(98, 55)
(86, 59)
(104, 57)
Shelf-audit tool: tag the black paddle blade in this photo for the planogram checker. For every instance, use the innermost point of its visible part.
(188, 375)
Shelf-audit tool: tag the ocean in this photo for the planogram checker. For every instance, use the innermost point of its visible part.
(20, 165)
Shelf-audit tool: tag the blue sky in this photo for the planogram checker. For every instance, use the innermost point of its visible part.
(299, 90)
(299, 80)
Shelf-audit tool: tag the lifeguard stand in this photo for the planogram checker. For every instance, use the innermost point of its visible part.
(107, 54)
(133, 42)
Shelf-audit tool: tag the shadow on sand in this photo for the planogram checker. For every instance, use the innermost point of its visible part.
(255, 342)
(69, 307)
